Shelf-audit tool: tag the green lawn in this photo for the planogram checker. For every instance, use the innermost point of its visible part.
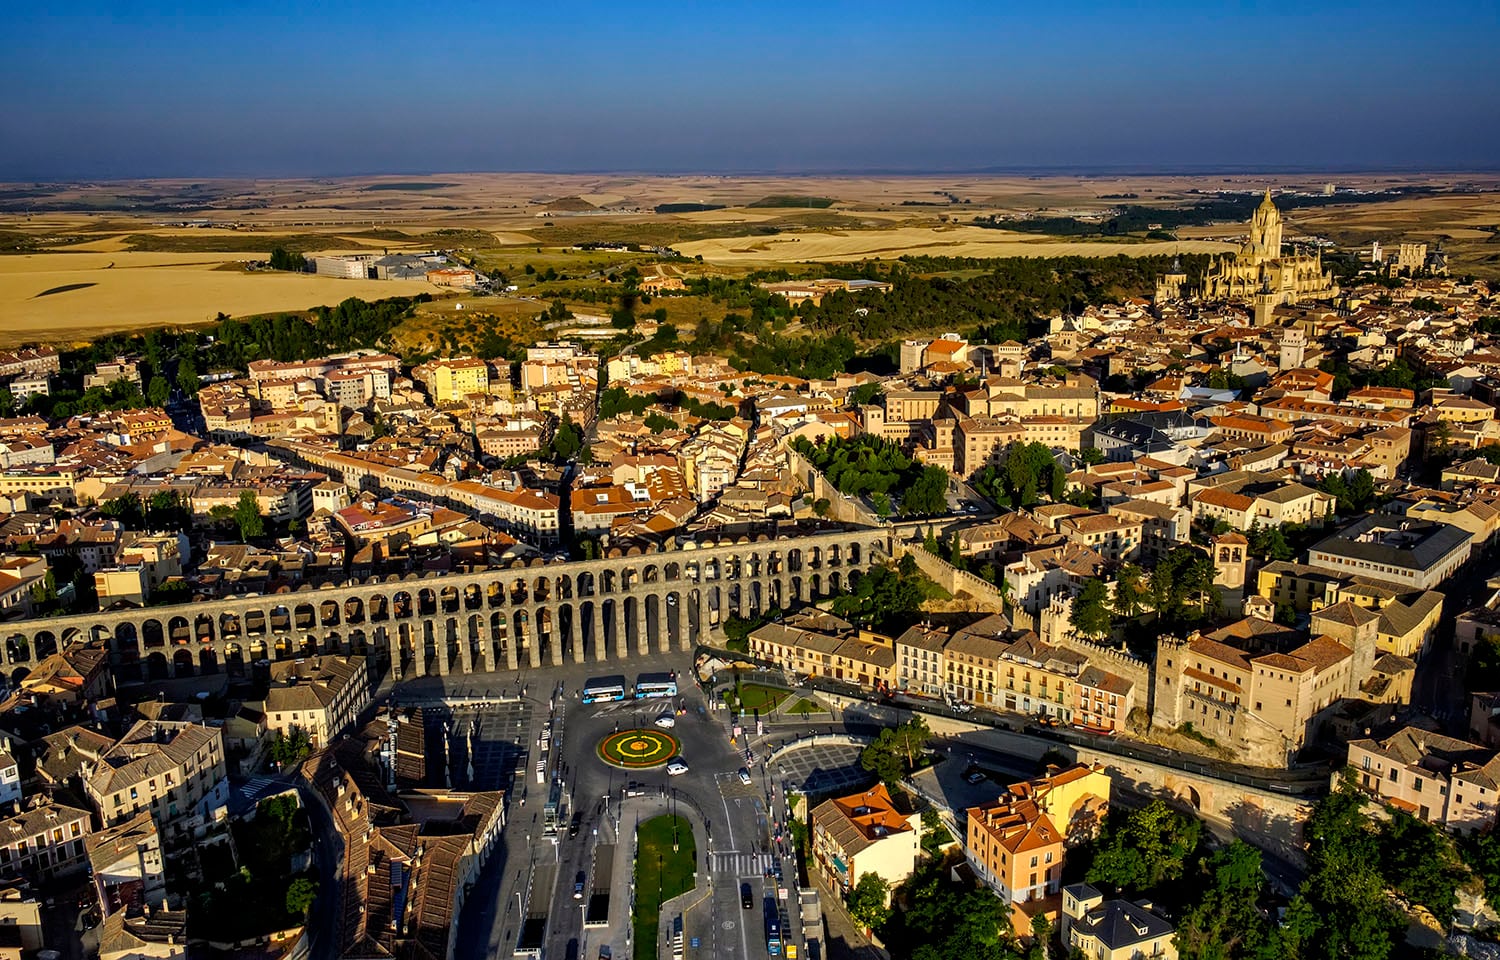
(804, 707)
(754, 696)
(660, 875)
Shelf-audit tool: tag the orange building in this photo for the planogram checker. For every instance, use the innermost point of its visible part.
(1016, 842)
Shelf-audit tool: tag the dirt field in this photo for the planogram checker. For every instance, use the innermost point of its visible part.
(152, 289)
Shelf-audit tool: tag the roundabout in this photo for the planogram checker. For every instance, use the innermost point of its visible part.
(638, 749)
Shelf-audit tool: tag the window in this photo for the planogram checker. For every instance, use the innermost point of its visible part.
(1395, 776)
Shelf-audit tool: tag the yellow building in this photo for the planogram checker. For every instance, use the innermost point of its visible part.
(1101, 929)
(450, 381)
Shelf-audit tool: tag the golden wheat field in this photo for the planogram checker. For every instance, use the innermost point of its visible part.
(823, 246)
(64, 297)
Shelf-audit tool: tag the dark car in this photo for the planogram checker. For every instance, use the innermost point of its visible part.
(574, 824)
(578, 886)
(747, 899)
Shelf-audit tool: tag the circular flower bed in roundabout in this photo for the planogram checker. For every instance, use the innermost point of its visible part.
(638, 749)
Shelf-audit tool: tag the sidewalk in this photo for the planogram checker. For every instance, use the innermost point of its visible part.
(843, 939)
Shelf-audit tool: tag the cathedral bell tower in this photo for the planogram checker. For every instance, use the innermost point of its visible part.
(1265, 232)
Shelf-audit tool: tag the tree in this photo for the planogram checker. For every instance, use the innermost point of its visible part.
(290, 749)
(1145, 848)
(1130, 591)
(300, 895)
(930, 543)
(869, 901)
(880, 759)
(927, 494)
(1090, 615)
(187, 377)
(1269, 543)
(247, 516)
(820, 506)
(935, 835)
(284, 259)
(7, 403)
(127, 509)
(1420, 862)
(158, 391)
(881, 503)
(1354, 493)
(894, 753)
(1225, 923)
(910, 739)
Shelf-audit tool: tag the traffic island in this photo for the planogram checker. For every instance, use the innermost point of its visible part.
(665, 867)
(638, 749)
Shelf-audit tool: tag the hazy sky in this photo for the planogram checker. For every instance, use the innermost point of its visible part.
(132, 89)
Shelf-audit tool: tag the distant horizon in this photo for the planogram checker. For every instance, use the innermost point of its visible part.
(1060, 170)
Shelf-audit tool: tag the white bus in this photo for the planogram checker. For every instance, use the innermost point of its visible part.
(653, 686)
(603, 692)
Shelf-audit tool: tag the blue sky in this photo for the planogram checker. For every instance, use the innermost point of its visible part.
(130, 89)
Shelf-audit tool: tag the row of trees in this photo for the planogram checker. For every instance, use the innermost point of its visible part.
(868, 465)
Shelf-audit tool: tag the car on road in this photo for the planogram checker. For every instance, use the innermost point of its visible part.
(744, 776)
(578, 886)
(975, 776)
(747, 899)
(605, 953)
(676, 767)
(666, 720)
(575, 823)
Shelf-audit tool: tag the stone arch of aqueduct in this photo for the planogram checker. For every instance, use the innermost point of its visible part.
(526, 614)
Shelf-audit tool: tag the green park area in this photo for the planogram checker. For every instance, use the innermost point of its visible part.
(750, 697)
(805, 707)
(661, 873)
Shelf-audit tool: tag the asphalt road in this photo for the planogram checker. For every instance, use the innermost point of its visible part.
(534, 874)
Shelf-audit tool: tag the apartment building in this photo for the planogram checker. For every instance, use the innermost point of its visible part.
(864, 833)
(452, 380)
(44, 842)
(1102, 701)
(321, 696)
(822, 645)
(919, 660)
(173, 769)
(126, 863)
(1016, 843)
(1445, 781)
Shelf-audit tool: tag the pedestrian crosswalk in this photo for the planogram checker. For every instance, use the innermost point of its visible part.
(740, 864)
(255, 786)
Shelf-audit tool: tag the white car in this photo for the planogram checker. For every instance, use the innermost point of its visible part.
(666, 721)
(744, 776)
(676, 767)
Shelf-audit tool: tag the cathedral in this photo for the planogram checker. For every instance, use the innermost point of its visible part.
(1260, 272)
